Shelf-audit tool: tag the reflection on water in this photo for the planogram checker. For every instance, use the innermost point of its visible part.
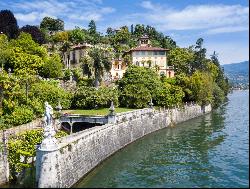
(209, 151)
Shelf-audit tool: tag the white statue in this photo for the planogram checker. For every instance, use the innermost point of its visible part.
(48, 113)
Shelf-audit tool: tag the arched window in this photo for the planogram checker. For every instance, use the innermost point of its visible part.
(169, 74)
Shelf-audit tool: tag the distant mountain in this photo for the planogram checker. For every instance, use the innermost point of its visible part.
(237, 68)
(237, 73)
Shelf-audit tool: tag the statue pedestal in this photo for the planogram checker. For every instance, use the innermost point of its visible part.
(49, 142)
(47, 160)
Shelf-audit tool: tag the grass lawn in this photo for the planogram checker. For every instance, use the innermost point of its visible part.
(101, 111)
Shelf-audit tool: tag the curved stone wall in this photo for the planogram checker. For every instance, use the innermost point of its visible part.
(79, 153)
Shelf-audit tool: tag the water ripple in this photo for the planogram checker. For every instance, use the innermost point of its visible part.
(210, 151)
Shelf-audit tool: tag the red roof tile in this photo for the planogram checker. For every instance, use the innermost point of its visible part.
(142, 48)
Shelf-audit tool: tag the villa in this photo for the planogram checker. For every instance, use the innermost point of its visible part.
(72, 59)
(147, 56)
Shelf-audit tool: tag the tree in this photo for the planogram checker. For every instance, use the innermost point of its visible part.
(221, 80)
(52, 24)
(139, 30)
(5, 52)
(92, 27)
(52, 68)
(181, 58)
(99, 61)
(87, 65)
(8, 24)
(77, 35)
(199, 57)
(201, 83)
(35, 32)
(27, 56)
(62, 36)
(109, 31)
(138, 86)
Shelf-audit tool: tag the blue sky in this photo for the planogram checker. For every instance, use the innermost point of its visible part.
(223, 24)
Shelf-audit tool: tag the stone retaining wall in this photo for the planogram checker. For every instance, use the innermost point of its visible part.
(4, 165)
(80, 152)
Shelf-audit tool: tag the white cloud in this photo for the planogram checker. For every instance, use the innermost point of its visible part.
(32, 12)
(229, 29)
(196, 17)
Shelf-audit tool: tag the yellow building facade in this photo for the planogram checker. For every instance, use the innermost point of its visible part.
(146, 56)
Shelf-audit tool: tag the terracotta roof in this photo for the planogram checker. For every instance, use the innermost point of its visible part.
(141, 48)
(81, 46)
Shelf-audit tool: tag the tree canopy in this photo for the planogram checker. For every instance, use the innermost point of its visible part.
(52, 24)
(8, 24)
(37, 35)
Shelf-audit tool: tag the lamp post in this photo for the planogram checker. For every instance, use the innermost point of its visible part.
(151, 104)
(59, 107)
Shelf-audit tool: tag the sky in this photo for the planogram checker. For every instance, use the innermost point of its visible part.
(223, 24)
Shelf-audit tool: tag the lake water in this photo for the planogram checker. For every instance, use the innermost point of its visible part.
(209, 151)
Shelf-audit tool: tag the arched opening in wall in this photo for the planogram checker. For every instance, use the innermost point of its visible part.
(65, 126)
(169, 74)
(137, 63)
(80, 126)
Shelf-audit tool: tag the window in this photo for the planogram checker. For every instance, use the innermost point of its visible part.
(74, 56)
(155, 52)
(142, 52)
(169, 74)
(150, 53)
(161, 53)
(137, 63)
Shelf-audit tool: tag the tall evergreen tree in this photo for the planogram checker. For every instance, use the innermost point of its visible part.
(92, 27)
(8, 24)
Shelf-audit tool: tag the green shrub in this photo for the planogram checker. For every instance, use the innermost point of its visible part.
(21, 115)
(135, 96)
(88, 82)
(25, 145)
(169, 95)
(77, 72)
(37, 106)
(45, 91)
(218, 95)
(138, 86)
(90, 97)
(66, 75)
(52, 68)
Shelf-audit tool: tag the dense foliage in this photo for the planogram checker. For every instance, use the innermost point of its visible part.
(51, 24)
(52, 93)
(22, 149)
(139, 85)
(8, 24)
(91, 97)
(26, 63)
(37, 35)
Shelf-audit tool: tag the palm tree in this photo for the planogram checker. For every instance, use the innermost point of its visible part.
(65, 49)
(96, 63)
